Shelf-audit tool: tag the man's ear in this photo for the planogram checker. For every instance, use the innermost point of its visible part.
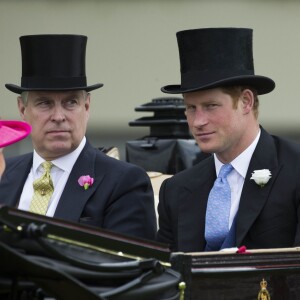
(21, 107)
(247, 100)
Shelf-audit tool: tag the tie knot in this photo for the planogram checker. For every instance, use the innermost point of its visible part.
(225, 170)
(47, 165)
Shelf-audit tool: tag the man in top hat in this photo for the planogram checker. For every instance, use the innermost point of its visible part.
(65, 177)
(248, 192)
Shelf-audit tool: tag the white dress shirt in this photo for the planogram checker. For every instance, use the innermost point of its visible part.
(60, 172)
(237, 176)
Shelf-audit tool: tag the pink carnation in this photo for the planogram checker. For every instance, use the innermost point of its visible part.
(86, 181)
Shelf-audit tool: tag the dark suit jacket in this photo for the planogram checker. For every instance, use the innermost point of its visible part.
(267, 217)
(121, 198)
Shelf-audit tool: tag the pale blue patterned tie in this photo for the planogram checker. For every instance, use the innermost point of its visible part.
(218, 210)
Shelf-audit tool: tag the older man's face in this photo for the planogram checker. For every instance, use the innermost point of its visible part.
(58, 120)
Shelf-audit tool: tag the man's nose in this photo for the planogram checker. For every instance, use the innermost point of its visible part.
(58, 114)
(200, 118)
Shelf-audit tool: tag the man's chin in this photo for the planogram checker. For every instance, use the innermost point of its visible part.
(206, 148)
(60, 150)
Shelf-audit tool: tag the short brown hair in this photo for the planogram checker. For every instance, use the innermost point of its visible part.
(235, 92)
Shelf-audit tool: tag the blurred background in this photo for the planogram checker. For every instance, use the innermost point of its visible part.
(132, 50)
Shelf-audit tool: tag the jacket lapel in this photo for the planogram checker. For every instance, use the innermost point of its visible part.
(254, 197)
(191, 211)
(74, 196)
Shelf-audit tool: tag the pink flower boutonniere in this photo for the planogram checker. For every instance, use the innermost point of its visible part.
(86, 181)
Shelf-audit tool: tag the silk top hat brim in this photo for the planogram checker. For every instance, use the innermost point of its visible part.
(262, 84)
(12, 132)
(18, 89)
(216, 57)
(53, 62)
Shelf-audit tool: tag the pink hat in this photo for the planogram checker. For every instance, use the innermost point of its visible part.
(12, 132)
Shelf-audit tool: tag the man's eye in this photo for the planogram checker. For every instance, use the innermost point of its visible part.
(190, 108)
(71, 102)
(211, 105)
(43, 103)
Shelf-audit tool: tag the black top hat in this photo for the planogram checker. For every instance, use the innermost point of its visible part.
(215, 57)
(53, 62)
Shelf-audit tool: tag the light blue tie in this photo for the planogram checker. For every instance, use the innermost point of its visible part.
(218, 211)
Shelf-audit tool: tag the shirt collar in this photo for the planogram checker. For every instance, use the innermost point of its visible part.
(241, 162)
(64, 163)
